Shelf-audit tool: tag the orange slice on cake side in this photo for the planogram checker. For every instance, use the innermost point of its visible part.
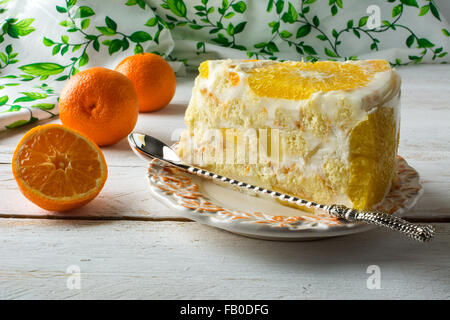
(58, 168)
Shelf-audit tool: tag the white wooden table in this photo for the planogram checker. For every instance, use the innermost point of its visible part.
(128, 245)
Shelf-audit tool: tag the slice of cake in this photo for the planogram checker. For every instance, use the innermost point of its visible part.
(324, 131)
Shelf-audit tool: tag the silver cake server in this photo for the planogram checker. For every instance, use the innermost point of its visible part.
(148, 147)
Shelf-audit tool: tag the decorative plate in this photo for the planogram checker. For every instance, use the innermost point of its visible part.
(239, 212)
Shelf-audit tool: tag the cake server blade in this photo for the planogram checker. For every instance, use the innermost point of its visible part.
(149, 148)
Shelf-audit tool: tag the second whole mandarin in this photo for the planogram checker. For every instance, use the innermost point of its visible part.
(153, 79)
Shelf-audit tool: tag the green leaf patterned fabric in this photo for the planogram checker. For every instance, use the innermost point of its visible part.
(44, 43)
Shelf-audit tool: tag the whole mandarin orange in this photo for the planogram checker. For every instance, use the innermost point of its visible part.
(100, 103)
(153, 78)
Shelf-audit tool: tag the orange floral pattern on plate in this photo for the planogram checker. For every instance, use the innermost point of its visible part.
(176, 185)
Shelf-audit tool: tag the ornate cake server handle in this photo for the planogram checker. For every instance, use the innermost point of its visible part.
(148, 147)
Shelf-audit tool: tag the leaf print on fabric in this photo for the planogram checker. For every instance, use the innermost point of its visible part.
(239, 7)
(8, 57)
(42, 68)
(31, 96)
(44, 106)
(177, 7)
(18, 123)
(15, 28)
(3, 100)
(82, 12)
(140, 3)
(140, 36)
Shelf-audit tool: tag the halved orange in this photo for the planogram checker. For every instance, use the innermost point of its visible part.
(57, 168)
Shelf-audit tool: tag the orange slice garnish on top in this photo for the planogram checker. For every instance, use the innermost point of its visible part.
(299, 80)
(58, 168)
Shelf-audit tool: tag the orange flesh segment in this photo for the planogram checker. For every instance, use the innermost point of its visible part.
(203, 69)
(234, 78)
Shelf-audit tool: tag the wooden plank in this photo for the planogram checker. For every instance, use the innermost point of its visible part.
(173, 260)
(424, 143)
